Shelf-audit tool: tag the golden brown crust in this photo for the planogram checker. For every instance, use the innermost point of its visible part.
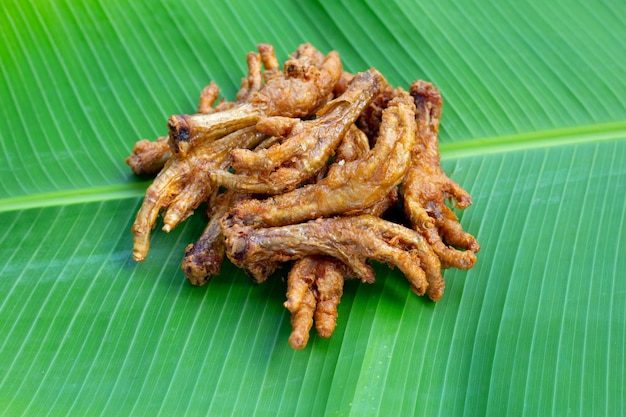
(330, 275)
(208, 96)
(369, 121)
(148, 157)
(324, 276)
(314, 290)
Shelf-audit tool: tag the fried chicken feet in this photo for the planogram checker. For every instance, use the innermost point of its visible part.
(315, 283)
(148, 157)
(301, 168)
(426, 188)
(203, 259)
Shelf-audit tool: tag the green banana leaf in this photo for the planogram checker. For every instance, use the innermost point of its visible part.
(534, 127)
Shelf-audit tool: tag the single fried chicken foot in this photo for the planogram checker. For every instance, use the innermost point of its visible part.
(149, 157)
(314, 290)
(426, 188)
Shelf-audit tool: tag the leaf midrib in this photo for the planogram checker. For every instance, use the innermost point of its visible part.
(535, 140)
(469, 148)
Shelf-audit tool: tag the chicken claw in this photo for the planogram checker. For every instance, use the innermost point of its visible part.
(314, 290)
(302, 167)
(149, 157)
(426, 187)
(323, 276)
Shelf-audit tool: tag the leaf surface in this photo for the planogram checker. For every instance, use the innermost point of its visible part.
(534, 127)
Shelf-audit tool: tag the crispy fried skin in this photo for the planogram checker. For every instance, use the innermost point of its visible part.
(203, 259)
(307, 146)
(302, 319)
(254, 81)
(301, 300)
(188, 131)
(183, 184)
(323, 276)
(209, 94)
(348, 186)
(268, 57)
(302, 137)
(148, 157)
(352, 240)
(304, 85)
(331, 275)
(343, 83)
(261, 67)
(426, 187)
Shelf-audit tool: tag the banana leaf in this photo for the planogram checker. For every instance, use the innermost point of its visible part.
(534, 127)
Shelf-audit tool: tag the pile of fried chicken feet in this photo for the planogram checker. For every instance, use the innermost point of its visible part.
(301, 168)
